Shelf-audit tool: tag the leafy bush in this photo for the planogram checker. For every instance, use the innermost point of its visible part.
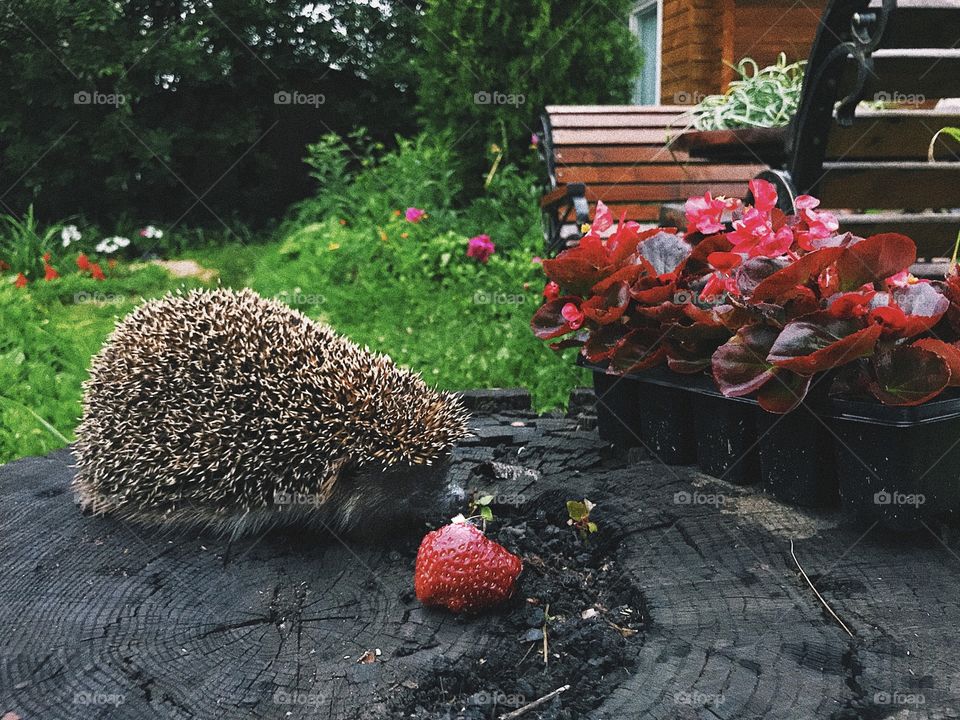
(408, 288)
(360, 182)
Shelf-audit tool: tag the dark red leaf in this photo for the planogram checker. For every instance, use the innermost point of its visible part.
(923, 305)
(876, 258)
(755, 270)
(623, 243)
(950, 354)
(690, 347)
(740, 366)
(640, 349)
(799, 272)
(548, 323)
(579, 268)
(603, 341)
(820, 341)
(609, 307)
(784, 392)
(907, 375)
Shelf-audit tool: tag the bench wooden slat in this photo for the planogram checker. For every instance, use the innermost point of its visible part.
(646, 174)
(910, 74)
(612, 136)
(934, 233)
(621, 155)
(894, 135)
(617, 120)
(915, 24)
(637, 212)
(882, 185)
(557, 110)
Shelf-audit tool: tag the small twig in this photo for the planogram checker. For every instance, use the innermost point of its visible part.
(819, 596)
(534, 705)
(546, 619)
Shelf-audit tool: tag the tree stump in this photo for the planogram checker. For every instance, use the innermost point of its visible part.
(106, 620)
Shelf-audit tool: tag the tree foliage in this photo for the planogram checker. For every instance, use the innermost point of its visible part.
(169, 108)
(489, 66)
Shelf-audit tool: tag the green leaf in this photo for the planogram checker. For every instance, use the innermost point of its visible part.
(486, 513)
(577, 510)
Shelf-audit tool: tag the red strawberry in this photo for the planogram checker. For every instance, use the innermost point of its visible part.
(461, 569)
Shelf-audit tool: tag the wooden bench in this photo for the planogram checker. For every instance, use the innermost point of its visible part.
(619, 154)
(871, 165)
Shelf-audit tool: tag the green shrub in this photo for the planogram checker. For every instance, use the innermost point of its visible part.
(532, 52)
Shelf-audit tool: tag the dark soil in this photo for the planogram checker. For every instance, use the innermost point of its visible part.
(563, 577)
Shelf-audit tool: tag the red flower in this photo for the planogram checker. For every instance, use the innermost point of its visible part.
(112, 264)
(46, 258)
(83, 262)
(551, 291)
(3, 266)
(21, 281)
(96, 273)
(572, 314)
(51, 274)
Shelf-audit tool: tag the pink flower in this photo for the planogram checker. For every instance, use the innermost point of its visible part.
(536, 260)
(572, 314)
(415, 215)
(704, 215)
(764, 195)
(534, 140)
(480, 248)
(602, 218)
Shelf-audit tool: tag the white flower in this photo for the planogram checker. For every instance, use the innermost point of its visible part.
(150, 232)
(69, 234)
(110, 245)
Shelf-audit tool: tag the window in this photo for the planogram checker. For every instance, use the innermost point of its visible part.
(645, 25)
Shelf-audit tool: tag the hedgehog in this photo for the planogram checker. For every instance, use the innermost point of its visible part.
(227, 411)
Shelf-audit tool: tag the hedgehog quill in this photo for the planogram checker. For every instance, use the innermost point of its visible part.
(227, 411)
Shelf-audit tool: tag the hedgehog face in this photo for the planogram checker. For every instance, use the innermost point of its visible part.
(372, 499)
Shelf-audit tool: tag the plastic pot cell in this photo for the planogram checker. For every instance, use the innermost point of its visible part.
(898, 465)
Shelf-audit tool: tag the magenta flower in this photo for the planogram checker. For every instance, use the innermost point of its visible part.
(415, 215)
(480, 248)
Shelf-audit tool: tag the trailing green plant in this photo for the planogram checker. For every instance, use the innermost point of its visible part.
(760, 98)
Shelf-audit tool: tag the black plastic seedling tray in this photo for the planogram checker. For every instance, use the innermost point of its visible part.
(797, 459)
(898, 465)
(618, 409)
